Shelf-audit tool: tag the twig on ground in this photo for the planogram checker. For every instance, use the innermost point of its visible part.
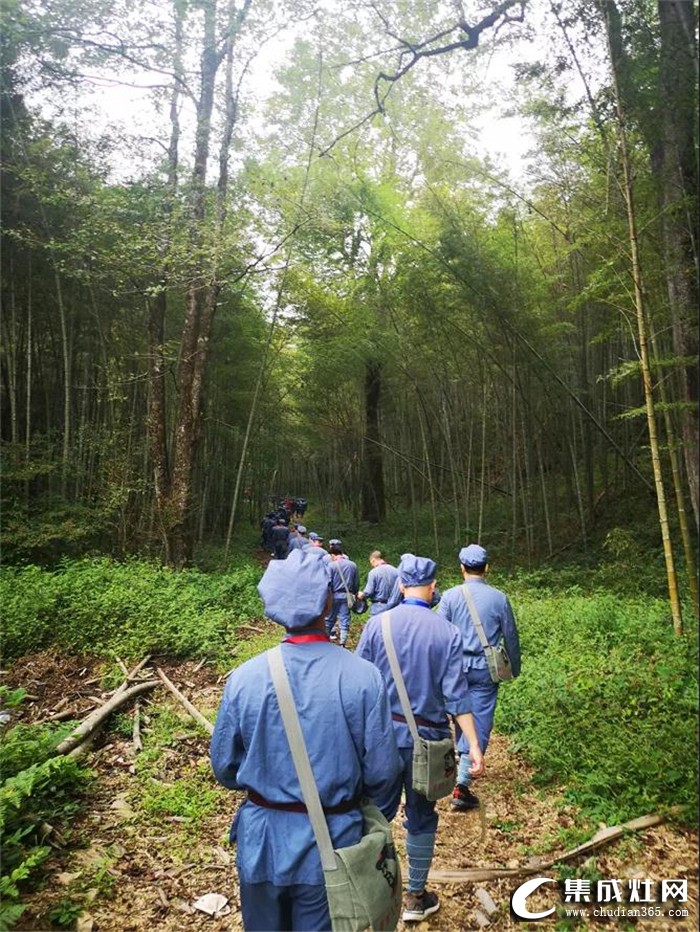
(185, 702)
(136, 734)
(130, 676)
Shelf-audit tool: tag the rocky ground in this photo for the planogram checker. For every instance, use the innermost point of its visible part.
(151, 837)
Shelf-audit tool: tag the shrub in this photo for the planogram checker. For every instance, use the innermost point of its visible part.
(101, 606)
(606, 703)
(28, 799)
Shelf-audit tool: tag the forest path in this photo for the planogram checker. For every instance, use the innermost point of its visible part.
(151, 838)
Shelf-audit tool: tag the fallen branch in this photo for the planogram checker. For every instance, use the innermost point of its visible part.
(601, 838)
(58, 717)
(83, 747)
(130, 676)
(95, 719)
(184, 701)
(136, 734)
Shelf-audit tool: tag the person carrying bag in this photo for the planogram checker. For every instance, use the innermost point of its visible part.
(341, 703)
(434, 763)
(491, 649)
(499, 665)
(363, 881)
(420, 657)
(344, 584)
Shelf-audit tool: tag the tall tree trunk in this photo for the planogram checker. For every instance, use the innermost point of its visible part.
(483, 463)
(677, 168)
(203, 288)
(373, 494)
(613, 35)
(28, 392)
(157, 426)
(65, 354)
(690, 562)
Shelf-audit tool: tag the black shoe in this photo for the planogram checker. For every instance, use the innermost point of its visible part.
(463, 799)
(420, 905)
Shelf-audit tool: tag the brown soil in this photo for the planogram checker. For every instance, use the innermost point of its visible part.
(158, 866)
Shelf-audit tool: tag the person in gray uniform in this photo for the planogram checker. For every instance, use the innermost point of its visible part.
(380, 582)
(498, 621)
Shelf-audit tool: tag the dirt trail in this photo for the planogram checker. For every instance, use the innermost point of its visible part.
(146, 868)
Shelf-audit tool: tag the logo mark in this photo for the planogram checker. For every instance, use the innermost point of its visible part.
(518, 902)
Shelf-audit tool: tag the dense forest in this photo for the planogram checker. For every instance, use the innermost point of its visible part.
(323, 289)
(253, 248)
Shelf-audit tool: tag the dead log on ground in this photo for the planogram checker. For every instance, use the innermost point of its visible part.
(89, 725)
(600, 839)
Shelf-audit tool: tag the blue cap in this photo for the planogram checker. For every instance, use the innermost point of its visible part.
(314, 536)
(473, 555)
(301, 529)
(294, 591)
(416, 571)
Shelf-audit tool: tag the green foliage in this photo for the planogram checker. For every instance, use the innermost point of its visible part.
(104, 607)
(193, 798)
(607, 703)
(66, 912)
(25, 745)
(11, 698)
(28, 799)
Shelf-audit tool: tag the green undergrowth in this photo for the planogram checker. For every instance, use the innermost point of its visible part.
(38, 797)
(101, 606)
(606, 704)
(605, 709)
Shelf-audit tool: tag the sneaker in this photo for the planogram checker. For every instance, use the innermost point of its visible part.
(332, 637)
(420, 905)
(463, 799)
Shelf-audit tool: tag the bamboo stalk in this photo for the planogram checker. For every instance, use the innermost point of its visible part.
(640, 312)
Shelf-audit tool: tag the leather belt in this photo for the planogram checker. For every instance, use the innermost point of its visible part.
(259, 800)
(420, 721)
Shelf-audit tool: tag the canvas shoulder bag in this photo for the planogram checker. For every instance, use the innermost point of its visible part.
(348, 595)
(434, 766)
(363, 881)
(496, 657)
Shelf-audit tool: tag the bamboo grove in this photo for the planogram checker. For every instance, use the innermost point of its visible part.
(325, 290)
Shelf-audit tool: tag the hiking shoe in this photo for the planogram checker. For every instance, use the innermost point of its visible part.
(463, 799)
(420, 905)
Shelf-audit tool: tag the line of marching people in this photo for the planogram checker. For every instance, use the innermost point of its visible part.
(358, 739)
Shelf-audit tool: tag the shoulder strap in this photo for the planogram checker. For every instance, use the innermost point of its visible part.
(342, 574)
(469, 599)
(398, 676)
(302, 764)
